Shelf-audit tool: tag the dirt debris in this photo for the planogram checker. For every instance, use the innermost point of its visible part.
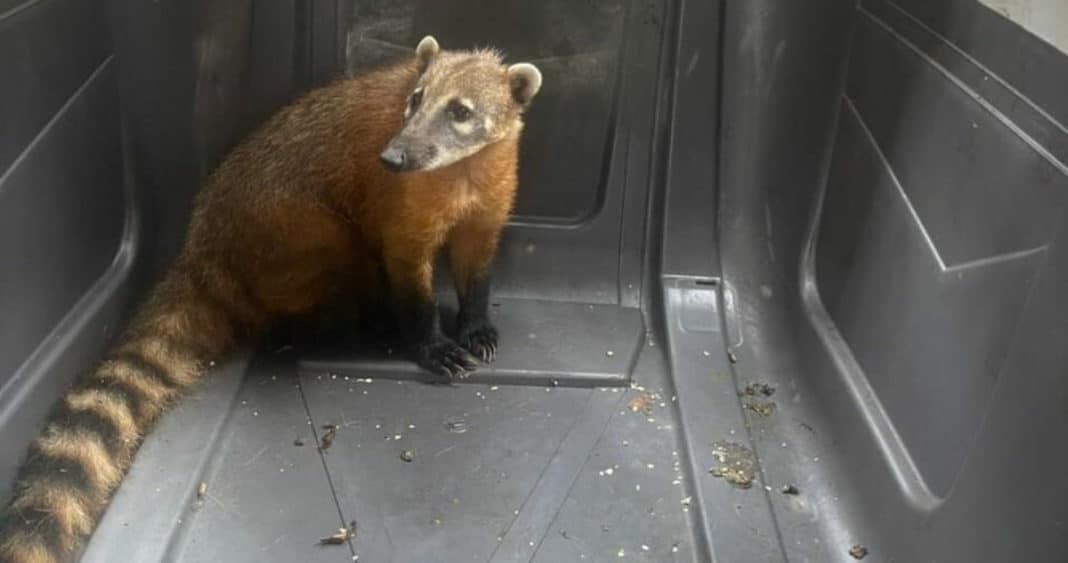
(736, 464)
(298, 442)
(456, 425)
(328, 438)
(790, 490)
(758, 388)
(407, 456)
(858, 551)
(759, 408)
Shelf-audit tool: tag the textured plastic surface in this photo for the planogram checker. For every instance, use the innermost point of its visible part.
(831, 236)
(67, 224)
(911, 311)
(552, 343)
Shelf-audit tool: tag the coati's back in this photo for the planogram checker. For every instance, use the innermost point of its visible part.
(282, 205)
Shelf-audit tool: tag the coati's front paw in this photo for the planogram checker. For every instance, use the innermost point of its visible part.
(480, 338)
(445, 358)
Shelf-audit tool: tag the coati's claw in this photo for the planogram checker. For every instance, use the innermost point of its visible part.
(445, 358)
(481, 340)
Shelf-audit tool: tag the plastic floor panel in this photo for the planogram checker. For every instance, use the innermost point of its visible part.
(499, 472)
(577, 344)
(536, 474)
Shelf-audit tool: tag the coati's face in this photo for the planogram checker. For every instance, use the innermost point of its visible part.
(462, 101)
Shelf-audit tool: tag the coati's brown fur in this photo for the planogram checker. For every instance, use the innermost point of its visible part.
(299, 215)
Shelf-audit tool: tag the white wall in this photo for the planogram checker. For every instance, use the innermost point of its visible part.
(1047, 19)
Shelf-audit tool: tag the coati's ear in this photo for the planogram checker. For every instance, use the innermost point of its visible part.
(426, 51)
(525, 81)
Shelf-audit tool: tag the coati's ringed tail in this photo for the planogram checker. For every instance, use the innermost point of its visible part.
(92, 434)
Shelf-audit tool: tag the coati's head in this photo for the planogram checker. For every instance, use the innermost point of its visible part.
(462, 101)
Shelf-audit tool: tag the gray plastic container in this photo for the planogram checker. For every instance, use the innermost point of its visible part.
(822, 240)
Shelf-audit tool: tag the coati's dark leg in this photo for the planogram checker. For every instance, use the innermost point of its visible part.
(471, 250)
(416, 312)
(375, 320)
(474, 330)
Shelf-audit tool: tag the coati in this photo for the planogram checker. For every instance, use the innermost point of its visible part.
(349, 191)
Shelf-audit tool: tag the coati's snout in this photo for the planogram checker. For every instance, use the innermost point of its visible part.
(461, 102)
(404, 155)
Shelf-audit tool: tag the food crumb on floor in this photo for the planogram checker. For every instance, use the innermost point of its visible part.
(407, 456)
(736, 464)
(642, 403)
(858, 551)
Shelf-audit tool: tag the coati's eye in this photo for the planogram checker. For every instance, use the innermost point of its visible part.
(417, 98)
(457, 111)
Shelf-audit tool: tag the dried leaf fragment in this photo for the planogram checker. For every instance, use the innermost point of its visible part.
(341, 536)
(328, 438)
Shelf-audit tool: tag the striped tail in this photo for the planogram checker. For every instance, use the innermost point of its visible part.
(74, 466)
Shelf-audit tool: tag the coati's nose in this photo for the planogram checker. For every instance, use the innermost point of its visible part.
(393, 158)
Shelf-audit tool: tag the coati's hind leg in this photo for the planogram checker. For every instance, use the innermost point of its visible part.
(375, 319)
(472, 246)
(357, 317)
(306, 280)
